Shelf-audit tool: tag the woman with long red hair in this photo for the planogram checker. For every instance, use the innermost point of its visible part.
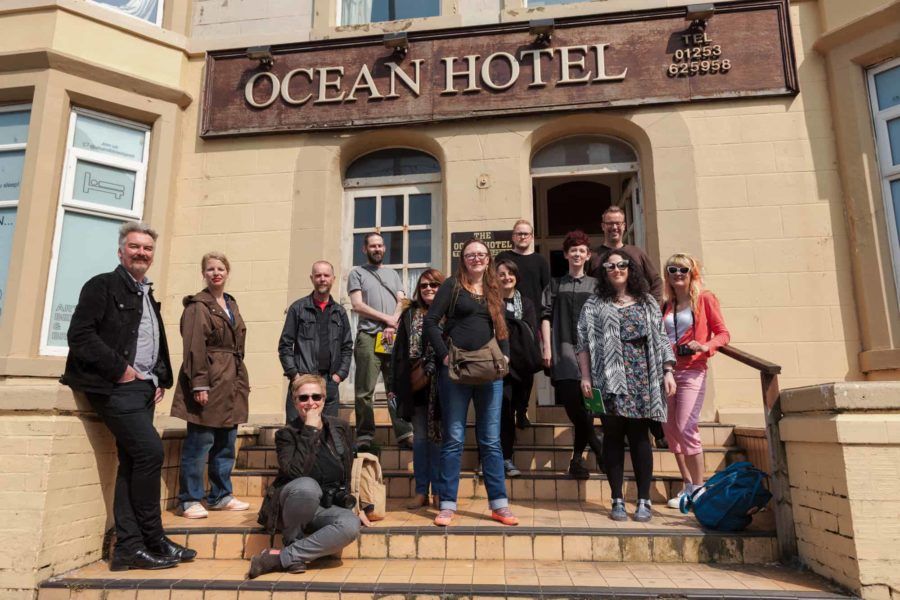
(473, 306)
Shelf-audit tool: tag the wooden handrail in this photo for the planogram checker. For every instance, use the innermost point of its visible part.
(760, 364)
(779, 481)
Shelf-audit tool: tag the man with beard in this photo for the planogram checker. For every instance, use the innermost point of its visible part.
(614, 228)
(316, 340)
(119, 359)
(375, 294)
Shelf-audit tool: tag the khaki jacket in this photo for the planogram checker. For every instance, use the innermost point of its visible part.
(213, 360)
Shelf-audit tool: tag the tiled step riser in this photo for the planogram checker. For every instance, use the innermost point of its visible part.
(539, 434)
(403, 486)
(513, 545)
(537, 460)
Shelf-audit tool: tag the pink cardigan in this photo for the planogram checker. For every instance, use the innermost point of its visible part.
(709, 329)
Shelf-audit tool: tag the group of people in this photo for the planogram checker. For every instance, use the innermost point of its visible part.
(617, 341)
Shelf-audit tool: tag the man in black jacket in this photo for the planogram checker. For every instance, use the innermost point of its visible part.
(316, 339)
(310, 500)
(119, 359)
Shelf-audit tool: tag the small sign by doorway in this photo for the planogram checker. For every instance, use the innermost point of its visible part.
(496, 241)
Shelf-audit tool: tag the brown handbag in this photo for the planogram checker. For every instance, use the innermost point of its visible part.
(418, 378)
(476, 367)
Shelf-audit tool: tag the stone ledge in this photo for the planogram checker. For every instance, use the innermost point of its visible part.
(842, 397)
(858, 429)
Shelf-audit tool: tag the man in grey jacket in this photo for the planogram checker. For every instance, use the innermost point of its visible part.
(316, 339)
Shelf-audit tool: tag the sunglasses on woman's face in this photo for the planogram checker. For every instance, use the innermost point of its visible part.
(671, 270)
(621, 265)
(429, 284)
(307, 397)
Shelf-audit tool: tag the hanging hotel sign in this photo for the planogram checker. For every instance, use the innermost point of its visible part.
(622, 59)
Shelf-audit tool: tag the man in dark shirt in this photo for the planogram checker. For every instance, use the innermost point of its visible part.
(614, 228)
(316, 339)
(534, 276)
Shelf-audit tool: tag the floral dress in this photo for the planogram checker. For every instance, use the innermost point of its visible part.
(634, 332)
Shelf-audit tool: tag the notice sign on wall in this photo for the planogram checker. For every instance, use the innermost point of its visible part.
(637, 58)
(496, 241)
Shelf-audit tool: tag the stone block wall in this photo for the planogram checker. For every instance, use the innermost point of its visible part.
(843, 449)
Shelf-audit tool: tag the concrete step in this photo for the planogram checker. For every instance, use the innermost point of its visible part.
(548, 530)
(531, 485)
(526, 457)
(354, 579)
(544, 433)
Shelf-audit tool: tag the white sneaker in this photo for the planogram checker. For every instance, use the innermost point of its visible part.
(676, 501)
(233, 504)
(194, 511)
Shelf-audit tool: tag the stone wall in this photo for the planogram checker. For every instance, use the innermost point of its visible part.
(843, 449)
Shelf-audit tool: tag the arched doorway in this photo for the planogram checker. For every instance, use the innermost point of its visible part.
(574, 179)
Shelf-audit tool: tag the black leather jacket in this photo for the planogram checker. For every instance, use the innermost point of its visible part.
(298, 347)
(103, 334)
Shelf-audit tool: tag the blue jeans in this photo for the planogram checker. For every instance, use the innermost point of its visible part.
(426, 455)
(488, 398)
(207, 445)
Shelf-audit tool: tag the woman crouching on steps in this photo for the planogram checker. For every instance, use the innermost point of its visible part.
(472, 304)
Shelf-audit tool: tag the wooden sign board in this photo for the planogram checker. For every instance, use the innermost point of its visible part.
(591, 62)
(496, 241)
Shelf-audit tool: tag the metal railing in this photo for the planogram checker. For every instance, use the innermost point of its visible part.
(779, 483)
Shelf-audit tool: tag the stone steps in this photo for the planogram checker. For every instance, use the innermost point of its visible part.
(526, 457)
(548, 530)
(438, 579)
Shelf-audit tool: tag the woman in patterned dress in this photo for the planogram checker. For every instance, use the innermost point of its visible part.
(624, 353)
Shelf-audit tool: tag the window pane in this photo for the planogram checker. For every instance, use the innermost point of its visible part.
(104, 185)
(895, 195)
(887, 88)
(391, 211)
(359, 255)
(14, 127)
(393, 247)
(109, 138)
(7, 226)
(11, 164)
(893, 127)
(420, 209)
(148, 10)
(582, 151)
(419, 247)
(87, 247)
(364, 213)
(357, 12)
(393, 162)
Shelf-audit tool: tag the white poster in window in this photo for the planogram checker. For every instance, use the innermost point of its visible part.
(98, 135)
(148, 10)
(104, 185)
(87, 248)
(7, 226)
(11, 164)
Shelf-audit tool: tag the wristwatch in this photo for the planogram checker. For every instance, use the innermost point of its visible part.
(668, 369)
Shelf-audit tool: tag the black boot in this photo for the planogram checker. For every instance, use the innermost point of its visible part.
(140, 559)
(264, 562)
(169, 549)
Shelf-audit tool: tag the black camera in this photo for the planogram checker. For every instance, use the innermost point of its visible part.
(683, 350)
(337, 496)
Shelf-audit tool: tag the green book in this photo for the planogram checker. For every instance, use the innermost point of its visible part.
(594, 404)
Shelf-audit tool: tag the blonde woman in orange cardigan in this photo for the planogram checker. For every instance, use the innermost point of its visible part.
(696, 330)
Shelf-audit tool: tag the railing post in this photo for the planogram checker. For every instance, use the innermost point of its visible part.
(781, 487)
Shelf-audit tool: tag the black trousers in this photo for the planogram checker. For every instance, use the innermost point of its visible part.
(515, 399)
(568, 392)
(615, 430)
(128, 413)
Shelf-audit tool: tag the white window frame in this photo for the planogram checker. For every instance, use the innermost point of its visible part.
(159, 13)
(379, 192)
(14, 148)
(888, 171)
(68, 204)
(339, 12)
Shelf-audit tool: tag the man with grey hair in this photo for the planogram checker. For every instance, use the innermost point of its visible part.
(316, 339)
(118, 357)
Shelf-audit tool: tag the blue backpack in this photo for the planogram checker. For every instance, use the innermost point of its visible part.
(729, 499)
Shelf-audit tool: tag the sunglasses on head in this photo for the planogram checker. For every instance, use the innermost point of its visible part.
(621, 265)
(429, 284)
(672, 269)
(306, 397)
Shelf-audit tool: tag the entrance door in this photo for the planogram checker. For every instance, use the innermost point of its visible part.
(574, 180)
